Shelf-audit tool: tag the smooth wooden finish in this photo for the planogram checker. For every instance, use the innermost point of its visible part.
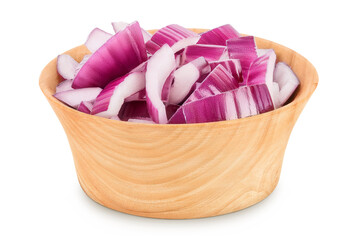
(181, 171)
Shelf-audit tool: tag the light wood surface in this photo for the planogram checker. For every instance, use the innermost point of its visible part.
(181, 171)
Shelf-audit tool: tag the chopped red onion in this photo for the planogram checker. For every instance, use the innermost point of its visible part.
(137, 96)
(219, 35)
(185, 77)
(160, 66)
(233, 66)
(218, 81)
(118, 26)
(118, 56)
(238, 103)
(96, 39)
(286, 80)
(178, 60)
(262, 97)
(133, 110)
(66, 66)
(110, 100)
(171, 110)
(74, 97)
(261, 71)
(85, 107)
(260, 52)
(64, 86)
(173, 35)
(209, 52)
(244, 49)
(81, 64)
(165, 93)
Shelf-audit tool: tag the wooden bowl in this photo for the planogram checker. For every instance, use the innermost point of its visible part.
(181, 171)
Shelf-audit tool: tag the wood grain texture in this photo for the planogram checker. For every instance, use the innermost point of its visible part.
(181, 171)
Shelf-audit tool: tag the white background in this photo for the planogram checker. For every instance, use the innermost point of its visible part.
(318, 193)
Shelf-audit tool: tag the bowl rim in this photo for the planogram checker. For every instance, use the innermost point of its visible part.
(303, 98)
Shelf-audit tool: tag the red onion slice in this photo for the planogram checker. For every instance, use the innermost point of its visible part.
(137, 96)
(260, 52)
(244, 49)
(118, 56)
(96, 39)
(85, 107)
(110, 100)
(219, 35)
(173, 35)
(185, 77)
(74, 97)
(118, 26)
(64, 86)
(231, 65)
(238, 103)
(134, 110)
(261, 71)
(66, 66)
(209, 52)
(262, 97)
(160, 66)
(287, 82)
(218, 81)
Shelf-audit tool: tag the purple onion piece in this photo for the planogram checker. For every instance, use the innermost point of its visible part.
(66, 66)
(287, 82)
(140, 68)
(183, 43)
(244, 49)
(159, 67)
(139, 96)
(85, 107)
(262, 97)
(219, 35)
(218, 81)
(64, 86)
(133, 110)
(260, 52)
(138, 110)
(74, 97)
(110, 100)
(96, 39)
(209, 52)
(173, 35)
(238, 103)
(185, 77)
(231, 65)
(118, 56)
(178, 60)
(118, 26)
(81, 64)
(171, 110)
(261, 71)
(165, 93)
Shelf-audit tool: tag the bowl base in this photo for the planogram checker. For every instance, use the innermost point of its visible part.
(173, 215)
